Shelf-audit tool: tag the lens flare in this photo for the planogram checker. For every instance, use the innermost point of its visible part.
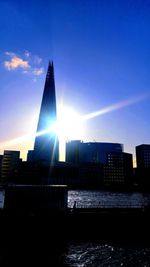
(27, 136)
(70, 123)
(116, 106)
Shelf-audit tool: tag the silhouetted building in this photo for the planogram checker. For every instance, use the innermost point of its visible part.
(143, 165)
(1, 157)
(73, 149)
(91, 152)
(46, 141)
(90, 175)
(30, 155)
(10, 164)
(119, 169)
(143, 156)
(33, 173)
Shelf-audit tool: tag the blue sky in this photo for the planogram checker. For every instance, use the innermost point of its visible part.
(101, 54)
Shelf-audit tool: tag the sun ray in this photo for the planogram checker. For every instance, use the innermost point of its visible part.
(26, 137)
(113, 107)
(69, 124)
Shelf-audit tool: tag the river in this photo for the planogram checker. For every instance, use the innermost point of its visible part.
(106, 253)
(102, 254)
(95, 198)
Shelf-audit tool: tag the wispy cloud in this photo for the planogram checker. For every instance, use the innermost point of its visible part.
(27, 53)
(16, 62)
(31, 64)
(25, 71)
(11, 54)
(38, 71)
(37, 60)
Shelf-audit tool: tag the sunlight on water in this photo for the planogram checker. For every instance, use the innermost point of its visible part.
(102, 255)
(93, 198)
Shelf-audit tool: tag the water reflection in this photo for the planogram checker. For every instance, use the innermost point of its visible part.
(102, 255)
(107, 199)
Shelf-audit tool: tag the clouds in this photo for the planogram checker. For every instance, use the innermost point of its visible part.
(26, 62)
(38, 71)
(15, 63)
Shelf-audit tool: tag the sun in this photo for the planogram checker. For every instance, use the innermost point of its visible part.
(69, 124)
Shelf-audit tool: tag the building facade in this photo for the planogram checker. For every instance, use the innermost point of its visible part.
(46, 141)
(1, 158)
(143, 166)
(143, 156)
(90, 152)
(119, 169)
(10, 163)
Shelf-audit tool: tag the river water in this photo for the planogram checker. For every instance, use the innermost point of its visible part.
(106, 199)
(104, 253)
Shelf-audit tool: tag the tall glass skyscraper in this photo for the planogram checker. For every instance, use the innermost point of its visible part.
(46, 141)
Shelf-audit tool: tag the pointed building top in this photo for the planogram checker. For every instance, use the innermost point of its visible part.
(50, 70)
(50, 64)
(48, 105)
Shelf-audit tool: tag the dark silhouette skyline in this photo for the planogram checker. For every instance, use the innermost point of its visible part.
(87, 164)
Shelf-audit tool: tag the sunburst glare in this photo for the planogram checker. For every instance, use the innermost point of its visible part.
(70, 124)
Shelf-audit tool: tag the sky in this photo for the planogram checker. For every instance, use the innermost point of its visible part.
(101, 54)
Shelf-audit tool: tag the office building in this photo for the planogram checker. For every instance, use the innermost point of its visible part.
(119, 169)
(143, 156)
(10, 163)
(1, 157)
(46, 141)
(90, 152)
(30, 156)
(143, 166)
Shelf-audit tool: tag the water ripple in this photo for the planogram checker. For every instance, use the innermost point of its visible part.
(105, 255)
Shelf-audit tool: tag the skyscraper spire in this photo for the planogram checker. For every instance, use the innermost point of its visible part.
(46, 144)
